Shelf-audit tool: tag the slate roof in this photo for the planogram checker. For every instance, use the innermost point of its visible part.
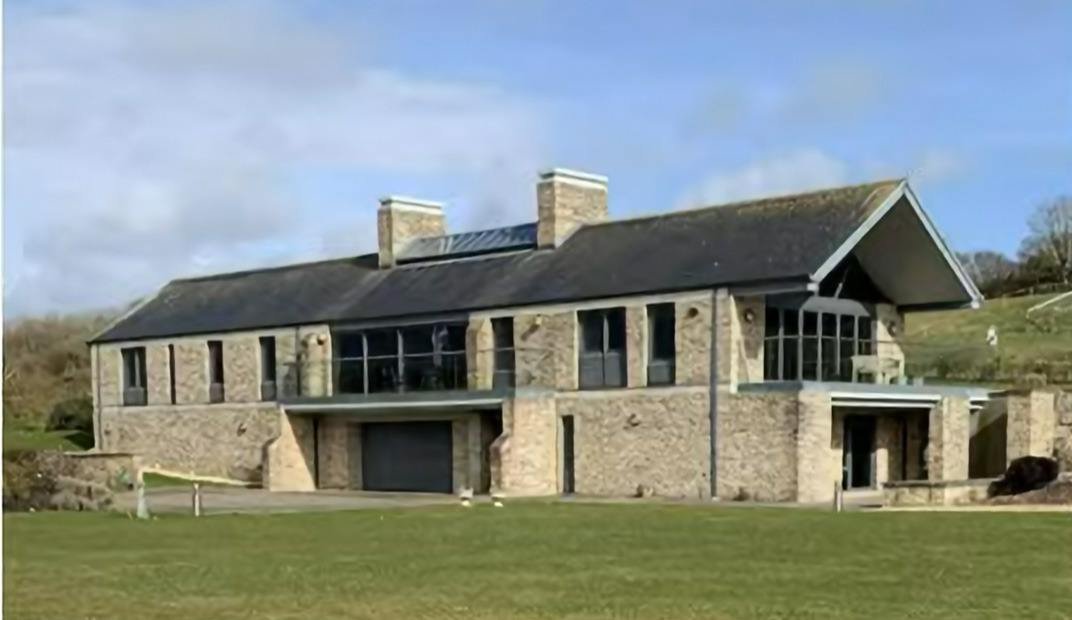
(780, 238)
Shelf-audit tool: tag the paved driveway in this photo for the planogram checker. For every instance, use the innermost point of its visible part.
(225, 500)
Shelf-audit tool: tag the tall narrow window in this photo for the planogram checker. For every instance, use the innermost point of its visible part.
(134, 387)
(503, 357)
(215, 371)
(268, 368)
(602, 355)
(171, 372)
(661, 344)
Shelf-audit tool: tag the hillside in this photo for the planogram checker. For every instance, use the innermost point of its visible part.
(952, 345)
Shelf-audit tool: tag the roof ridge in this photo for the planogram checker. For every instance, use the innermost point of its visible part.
(747, 203)
(246, 272)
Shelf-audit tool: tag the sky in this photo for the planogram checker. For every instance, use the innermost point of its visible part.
(146, 140)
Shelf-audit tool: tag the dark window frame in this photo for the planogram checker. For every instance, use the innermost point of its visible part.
(134, 377)
(172, 374)
(504, 353)
(662, 344)
(216, 372)
(268, 367)
(441, 366)
(811, 348)
(605, 368)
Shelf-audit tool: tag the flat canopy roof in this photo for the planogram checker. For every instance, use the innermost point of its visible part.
(876, 395)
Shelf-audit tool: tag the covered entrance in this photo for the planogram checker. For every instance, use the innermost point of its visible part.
(407, 456)
(857, 470)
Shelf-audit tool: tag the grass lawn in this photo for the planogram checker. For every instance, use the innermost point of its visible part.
(536, 560)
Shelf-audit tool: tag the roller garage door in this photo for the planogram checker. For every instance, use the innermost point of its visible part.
(407, 456)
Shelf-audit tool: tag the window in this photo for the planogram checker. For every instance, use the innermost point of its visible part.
(503, 358)
(601, 362)
(416, 358)
(661, 344)
(268, 368)
(134, 393)
(814, 339)
(215, 371)
(171, 372)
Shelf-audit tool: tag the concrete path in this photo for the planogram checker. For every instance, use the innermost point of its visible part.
(227, 500)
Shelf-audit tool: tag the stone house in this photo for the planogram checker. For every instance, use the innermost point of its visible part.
(731, 351)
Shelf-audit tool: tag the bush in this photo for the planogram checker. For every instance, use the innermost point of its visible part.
(42, 480)
(72, 414)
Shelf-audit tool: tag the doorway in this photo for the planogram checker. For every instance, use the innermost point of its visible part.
(859, 445)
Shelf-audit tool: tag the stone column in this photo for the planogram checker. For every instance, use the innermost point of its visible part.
(288, 462)
(947, 448)
(815, 475)
(333, 453)
(636, 345)
(479, 354)
(888, 453)
(1032, 421)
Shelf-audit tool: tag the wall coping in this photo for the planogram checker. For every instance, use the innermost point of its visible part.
(937, 484)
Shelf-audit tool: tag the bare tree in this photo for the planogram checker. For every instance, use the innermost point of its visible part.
(989, 270)
(1049, 240)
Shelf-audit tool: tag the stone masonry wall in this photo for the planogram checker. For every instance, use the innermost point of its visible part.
(947, 446)
(814, 474)
(546, 350)
(636, 345)
(397, 226)
(562, 206)
(757, 448)
(692, 333)
(739, 343)
(288, 462)
(655, 438)
(1062, 437)
(222, 440)
(524, 459)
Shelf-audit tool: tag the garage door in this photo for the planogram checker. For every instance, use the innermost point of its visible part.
(407, 456)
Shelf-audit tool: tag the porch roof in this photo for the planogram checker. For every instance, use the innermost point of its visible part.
(872, 395)
(406, 402)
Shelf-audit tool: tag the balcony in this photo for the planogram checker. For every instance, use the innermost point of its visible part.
(415, 378)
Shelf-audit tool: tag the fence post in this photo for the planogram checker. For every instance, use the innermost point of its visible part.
(838, 497)
(197, 499)
(143, 506)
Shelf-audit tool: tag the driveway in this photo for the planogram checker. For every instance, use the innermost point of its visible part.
(229, 500)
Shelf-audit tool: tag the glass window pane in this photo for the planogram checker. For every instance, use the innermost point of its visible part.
(383, 375)
(848, 327)
(417, 340)
(382, 342)
(791, 322)
(591, 325)
(811, 324)
(790, 362)
(810, 364)
(503, 332)
(616, 329)
(351, 379)
(829, 359)
(774, 321)
(829, 325)
(865, 334)
(661, 326)
(847, 351)
(350, 345)
(772, 363)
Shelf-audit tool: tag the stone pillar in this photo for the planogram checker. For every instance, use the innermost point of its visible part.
(357, 477)
(525, 457)
(636, 345)
(947, 445)
(815, 478)
(479, 354)
(726, 330)
(1032, 423)
(888, 453)
(460, 454)
(289, 459)
(315, 371)
(334, 454)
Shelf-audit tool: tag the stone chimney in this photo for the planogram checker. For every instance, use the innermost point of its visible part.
(566, 199)
(400, 220)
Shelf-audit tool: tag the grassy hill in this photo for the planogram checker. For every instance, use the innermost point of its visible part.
(952, 345)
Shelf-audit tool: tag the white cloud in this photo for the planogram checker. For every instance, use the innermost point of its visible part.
(806, 169)
(836, 89)
(145, 141)
(783, 173)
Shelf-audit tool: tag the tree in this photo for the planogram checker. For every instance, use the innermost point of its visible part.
(1047, 249)
(992, 272)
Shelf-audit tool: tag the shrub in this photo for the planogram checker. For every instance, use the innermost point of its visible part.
(42, 480)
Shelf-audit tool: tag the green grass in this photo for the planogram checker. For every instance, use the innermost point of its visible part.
(17, 438)
(541, 560)
(956, 340)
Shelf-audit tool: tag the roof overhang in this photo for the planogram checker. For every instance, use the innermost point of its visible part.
(877, 396)
(903, 253)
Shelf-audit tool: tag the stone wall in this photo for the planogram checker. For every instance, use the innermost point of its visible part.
(948, 440)
(116, 470)
(693, 328)
(227, 441)
(756, 454)
(657, 438)
(241, 359)
(563, 203)
(288, 463)
(546, 349)
(1062, 437)
(814, 475)
(524, 459)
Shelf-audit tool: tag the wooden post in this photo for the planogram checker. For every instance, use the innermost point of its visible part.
(838, 496)
(197, 499)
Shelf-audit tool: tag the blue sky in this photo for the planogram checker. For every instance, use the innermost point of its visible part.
(150, 140)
